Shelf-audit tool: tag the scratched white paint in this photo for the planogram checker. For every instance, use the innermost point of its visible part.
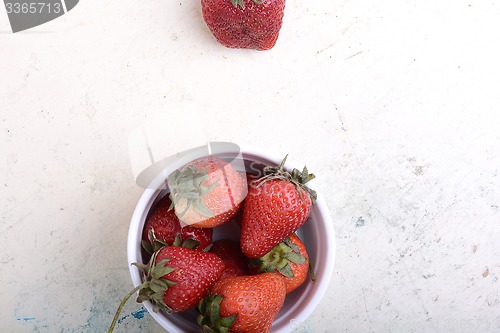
(394, 106)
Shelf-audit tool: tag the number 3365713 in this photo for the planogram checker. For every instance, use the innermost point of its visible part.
(32, 8)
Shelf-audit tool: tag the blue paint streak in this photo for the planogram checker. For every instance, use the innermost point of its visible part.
(139, 314)
(25, 319)
(122, 319)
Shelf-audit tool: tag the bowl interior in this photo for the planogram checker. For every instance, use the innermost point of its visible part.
(317, 234)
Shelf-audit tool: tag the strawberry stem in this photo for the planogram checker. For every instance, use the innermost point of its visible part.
(153, 287)
(122, 304)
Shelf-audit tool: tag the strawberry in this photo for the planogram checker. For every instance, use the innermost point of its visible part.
(249, 177)
(175, 279)
(249, 24)
(166, 227)
(201, 235)
(288, 258)
(206, 192)
(229, 252)
(242, 304)
(276, 205)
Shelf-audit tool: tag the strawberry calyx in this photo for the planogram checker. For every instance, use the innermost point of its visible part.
(241, 3)
(296, 177)
(152, 288)
(187, 185)
(209, 318)
(154, 244)
(279, 259)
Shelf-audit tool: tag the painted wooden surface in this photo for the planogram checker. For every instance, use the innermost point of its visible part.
(395, 106)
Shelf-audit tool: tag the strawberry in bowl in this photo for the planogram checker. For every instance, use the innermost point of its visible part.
(297, 296)
(206, 192)
(276, 206)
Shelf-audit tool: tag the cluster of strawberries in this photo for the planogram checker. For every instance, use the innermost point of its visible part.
(237, 286)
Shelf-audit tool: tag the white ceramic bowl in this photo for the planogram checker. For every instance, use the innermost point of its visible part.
(317, 234)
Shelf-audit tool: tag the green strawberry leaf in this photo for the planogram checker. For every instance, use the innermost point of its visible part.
(142, 298)
(177, 240)
(147, 246)
(200, 207)
(206, 329)
(141, 266)
(187, 185)
(237, 3)
(209, 319)
(286, 271)
(295, 258)
(185, 210)
(159, 272)
(214, 309)
(279, 258)
(157, 286)
(170, 283)
(208, 247)
(153, 287)
(198, 180)
(190, 243)
(228, 321)
(292, 246)
(191, 195)
(241, 3)
(311, 272)
(299, 179)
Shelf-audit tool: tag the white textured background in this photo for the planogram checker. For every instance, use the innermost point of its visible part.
(395, 105)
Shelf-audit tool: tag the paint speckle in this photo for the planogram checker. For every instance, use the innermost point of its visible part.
(486, 272)
(360, 222)
(139, 314)
(25, 319)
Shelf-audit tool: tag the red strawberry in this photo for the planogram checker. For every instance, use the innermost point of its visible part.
(201, 235)
(193, 272)
(249, 24)
(166, 227)
(288, 258)
(276, 206)
(249, 177)
(176, 279)
(229, 252)
(243, 304)
(207, 192)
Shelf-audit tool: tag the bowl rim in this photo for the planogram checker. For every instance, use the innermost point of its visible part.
(157, 185)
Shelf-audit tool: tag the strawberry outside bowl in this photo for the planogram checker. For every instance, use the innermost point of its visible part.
(317, 234)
